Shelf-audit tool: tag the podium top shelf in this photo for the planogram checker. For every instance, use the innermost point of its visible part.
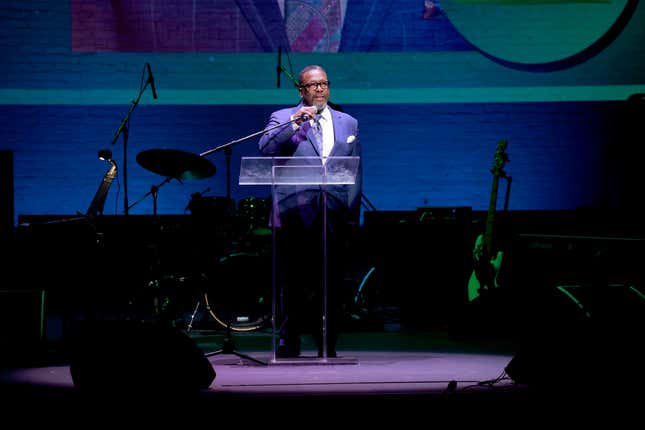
(298, 170)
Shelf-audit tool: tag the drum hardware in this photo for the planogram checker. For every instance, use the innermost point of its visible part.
(228, 345)
(173, 164)
(192, 317)
(211, 208)
(255, 212)
(163, 297)
(239, 306)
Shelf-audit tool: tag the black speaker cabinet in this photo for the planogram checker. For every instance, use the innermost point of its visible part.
(21, 325)
(126, 355)
(581, 334)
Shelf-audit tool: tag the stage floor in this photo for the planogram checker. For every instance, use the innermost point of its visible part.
(351, 373)
(395, 378)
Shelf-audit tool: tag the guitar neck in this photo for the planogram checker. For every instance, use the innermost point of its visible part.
(98, 202)
(500, 159)
(490, 216)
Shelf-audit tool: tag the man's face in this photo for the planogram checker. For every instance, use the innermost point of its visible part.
(315, 95)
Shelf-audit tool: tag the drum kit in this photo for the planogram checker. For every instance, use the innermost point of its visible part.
(234, 285)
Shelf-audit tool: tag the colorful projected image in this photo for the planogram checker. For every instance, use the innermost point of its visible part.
(325, 26)
(539, 35)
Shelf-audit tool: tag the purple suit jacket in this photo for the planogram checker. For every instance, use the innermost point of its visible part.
(301, 203)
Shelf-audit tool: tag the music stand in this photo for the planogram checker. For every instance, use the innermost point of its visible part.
(300, 171)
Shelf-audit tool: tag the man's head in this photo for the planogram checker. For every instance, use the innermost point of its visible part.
(314, 87)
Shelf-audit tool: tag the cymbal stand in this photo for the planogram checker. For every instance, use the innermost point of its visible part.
(154, 190)
(189, 327)
(228, 345)
(228, 152)
(155, 278)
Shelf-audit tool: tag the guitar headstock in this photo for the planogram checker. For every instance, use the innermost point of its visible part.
(501, 158)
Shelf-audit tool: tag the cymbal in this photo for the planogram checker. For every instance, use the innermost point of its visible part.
(176, 164)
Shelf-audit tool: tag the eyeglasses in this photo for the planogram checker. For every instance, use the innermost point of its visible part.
(323, 85)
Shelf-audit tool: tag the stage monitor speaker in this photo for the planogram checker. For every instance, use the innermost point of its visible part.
(129, 355)
(584, 336)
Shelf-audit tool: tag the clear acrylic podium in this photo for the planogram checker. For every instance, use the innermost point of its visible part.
(300, 171)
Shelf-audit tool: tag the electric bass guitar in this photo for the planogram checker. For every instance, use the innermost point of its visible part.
(486, 260)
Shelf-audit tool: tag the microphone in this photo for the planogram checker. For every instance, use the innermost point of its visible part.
(279, 68)
(307, 117)
(151, 79)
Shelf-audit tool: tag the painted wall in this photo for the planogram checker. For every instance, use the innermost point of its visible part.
(430, 119)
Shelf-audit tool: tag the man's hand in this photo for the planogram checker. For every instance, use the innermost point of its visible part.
(305, 113)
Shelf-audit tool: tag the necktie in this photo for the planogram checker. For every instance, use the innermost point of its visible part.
(313, 25)
(318, 136)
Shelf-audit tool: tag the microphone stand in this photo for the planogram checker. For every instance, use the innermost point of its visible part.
(154, 191)
(242, 139)
(280, 68)
(155, 268)
(123, 130)
(227, 150)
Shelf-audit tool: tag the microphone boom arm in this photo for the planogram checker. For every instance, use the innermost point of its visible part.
(123, 130)
(227, 148)
(242, 139)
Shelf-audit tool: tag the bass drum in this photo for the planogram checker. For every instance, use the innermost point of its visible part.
(238, 291)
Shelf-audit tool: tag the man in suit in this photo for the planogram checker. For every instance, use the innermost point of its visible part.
(312, 129)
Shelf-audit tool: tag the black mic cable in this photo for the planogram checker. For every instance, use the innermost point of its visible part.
(151, 79)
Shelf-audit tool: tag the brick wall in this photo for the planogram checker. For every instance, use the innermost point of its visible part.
(436, 149)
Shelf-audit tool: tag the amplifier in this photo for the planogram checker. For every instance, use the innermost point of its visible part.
(554, 259)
